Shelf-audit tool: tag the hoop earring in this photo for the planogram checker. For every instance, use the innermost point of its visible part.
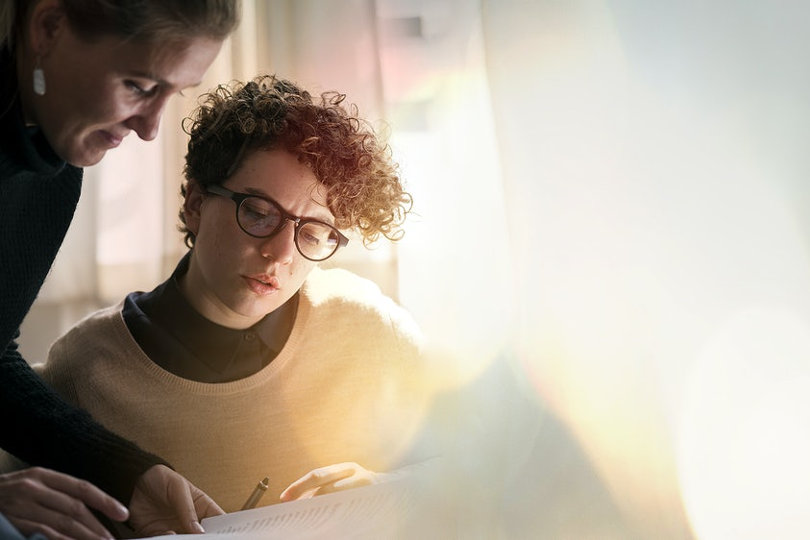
(39, 80)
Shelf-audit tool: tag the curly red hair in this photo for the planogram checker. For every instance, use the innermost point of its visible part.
(364, 191)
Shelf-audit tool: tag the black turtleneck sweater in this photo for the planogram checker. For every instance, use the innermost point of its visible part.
(183, 342)
(38, 196)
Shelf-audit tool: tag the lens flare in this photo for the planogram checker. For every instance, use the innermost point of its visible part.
(744, 439)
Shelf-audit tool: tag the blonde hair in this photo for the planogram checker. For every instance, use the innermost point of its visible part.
(146, 20)
(153, 20)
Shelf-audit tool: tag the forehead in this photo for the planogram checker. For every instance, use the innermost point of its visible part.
(176, 65)
(279, 175)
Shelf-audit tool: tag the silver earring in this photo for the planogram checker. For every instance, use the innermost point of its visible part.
(39, 80)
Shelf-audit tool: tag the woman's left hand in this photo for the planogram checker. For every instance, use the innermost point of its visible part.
(166, 503)
(330, 479)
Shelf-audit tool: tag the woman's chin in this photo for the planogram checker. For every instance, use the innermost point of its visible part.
(90, 152)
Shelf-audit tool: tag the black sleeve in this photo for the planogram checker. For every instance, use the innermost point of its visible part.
(41, 429)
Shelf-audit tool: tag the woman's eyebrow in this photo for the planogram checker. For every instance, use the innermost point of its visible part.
(259, 193)
(162, 82)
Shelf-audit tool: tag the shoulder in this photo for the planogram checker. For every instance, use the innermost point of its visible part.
(79, 354)
(341, 289)
(356, 300)
(94, 332)
(337, 284)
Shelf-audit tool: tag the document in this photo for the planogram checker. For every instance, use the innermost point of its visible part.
(382, 510)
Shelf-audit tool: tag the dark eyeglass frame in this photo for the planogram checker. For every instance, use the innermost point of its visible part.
(240, 198)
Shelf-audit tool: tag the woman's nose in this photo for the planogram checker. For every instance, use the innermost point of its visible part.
(147, 121)
(280, 247)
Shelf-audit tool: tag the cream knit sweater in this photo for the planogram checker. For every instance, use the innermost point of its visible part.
(347, 386)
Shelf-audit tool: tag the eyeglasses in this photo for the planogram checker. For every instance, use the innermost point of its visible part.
(262, 217)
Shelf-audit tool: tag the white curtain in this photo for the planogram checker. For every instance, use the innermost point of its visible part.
(608, 236)
(653, 156)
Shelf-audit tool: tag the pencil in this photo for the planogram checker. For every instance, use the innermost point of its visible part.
(258, 491)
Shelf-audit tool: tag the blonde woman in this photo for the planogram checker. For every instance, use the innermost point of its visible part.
(76, 77)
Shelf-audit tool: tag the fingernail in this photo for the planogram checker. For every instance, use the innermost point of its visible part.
(196, 527)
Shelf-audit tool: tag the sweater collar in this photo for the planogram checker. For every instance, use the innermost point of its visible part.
(180, 340)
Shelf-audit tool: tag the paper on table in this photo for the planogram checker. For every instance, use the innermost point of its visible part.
(376, 511)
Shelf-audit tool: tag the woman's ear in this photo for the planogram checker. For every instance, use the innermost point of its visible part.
(47, 21)
(192, 205)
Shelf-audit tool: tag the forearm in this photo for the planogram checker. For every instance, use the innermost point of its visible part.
(42, 429)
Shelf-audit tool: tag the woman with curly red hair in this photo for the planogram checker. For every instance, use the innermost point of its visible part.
(362, 188)
(251, 361)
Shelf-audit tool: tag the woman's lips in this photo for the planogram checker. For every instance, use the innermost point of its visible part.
(112, 140)
(262, 284)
